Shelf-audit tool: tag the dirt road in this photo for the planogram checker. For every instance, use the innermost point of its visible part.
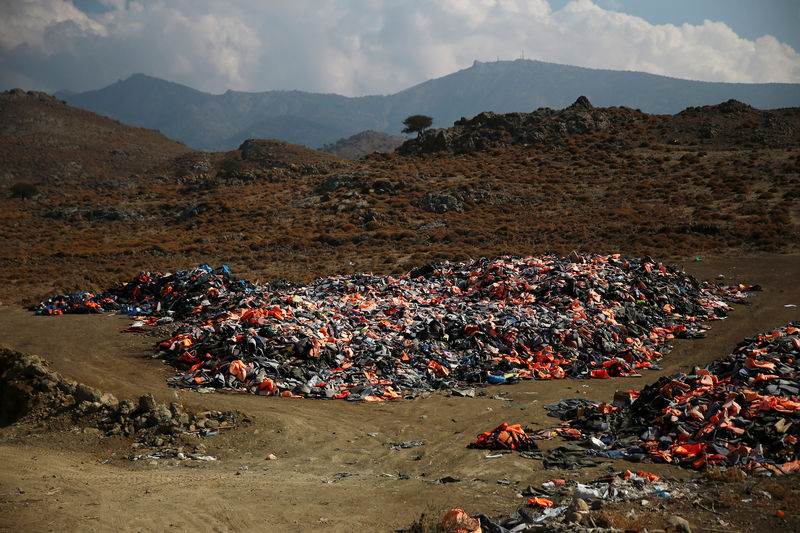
(336, 467)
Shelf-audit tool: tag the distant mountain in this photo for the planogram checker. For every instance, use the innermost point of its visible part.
(363, 143)
(220, 122)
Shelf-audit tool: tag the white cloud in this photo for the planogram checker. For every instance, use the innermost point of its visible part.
(115, 4)
(27, 22)
(357, 46)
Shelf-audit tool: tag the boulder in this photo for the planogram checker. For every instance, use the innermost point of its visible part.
(85, 393)
(440, 203)
(147, 403)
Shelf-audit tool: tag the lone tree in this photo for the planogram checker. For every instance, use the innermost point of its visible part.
(417, 123)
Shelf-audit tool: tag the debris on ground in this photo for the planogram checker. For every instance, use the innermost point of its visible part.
(742, 410)
(440, 326)
(573, 506)
(739, 414)
(506, 437)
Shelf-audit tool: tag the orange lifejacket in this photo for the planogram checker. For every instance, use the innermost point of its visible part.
(506, 437)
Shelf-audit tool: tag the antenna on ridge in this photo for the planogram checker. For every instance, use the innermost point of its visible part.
(523, 54)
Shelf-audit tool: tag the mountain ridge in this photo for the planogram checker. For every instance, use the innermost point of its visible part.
(221, 122)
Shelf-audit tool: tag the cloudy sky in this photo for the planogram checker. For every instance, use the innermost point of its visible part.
(358, 47)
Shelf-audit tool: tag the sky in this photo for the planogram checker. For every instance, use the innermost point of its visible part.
(361, 47)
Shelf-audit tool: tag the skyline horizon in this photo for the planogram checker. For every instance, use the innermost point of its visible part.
(372, 47)
(474, 63)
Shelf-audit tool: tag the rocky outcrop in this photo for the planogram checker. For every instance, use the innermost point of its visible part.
(488, 129)
(28, 388)
(271, 153)
(730, 123)
(364, 143)
(18, 94)
(440, 203)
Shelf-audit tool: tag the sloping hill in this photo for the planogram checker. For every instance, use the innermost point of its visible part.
(525, 85)
(716, 180)
(221, 122)
(44, 140)
(363, 143)
(731, 123)
(293, 129)
(215, 122)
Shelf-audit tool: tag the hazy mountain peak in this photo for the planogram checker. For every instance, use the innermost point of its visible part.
(222, 122)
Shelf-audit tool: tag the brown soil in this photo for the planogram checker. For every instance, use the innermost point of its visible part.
(273, 209)
(113, 200)
(334, 468)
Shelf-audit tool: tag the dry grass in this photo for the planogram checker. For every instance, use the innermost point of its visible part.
(265, 217)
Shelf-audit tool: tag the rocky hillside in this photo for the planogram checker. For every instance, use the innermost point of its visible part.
(364, 143)
(725, 125)
(716, 180)
(43, 140)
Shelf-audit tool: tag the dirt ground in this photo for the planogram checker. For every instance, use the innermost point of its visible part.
(336, 469)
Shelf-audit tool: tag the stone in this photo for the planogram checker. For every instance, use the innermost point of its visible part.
(578, 504)
(577, 511)
(175, 409)
(34, 369)
(47, 385)
(572, 517)
(126, 407)
(163, 413)
(342, 180)
(85, 393)
(85, 407)
(67, 387)
(440, 203)
(679, 524)
(147, 403)
(139, 422)
(168, 428)
(109, 400)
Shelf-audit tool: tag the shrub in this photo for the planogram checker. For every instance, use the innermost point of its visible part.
(230, 167)
(24, 190)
